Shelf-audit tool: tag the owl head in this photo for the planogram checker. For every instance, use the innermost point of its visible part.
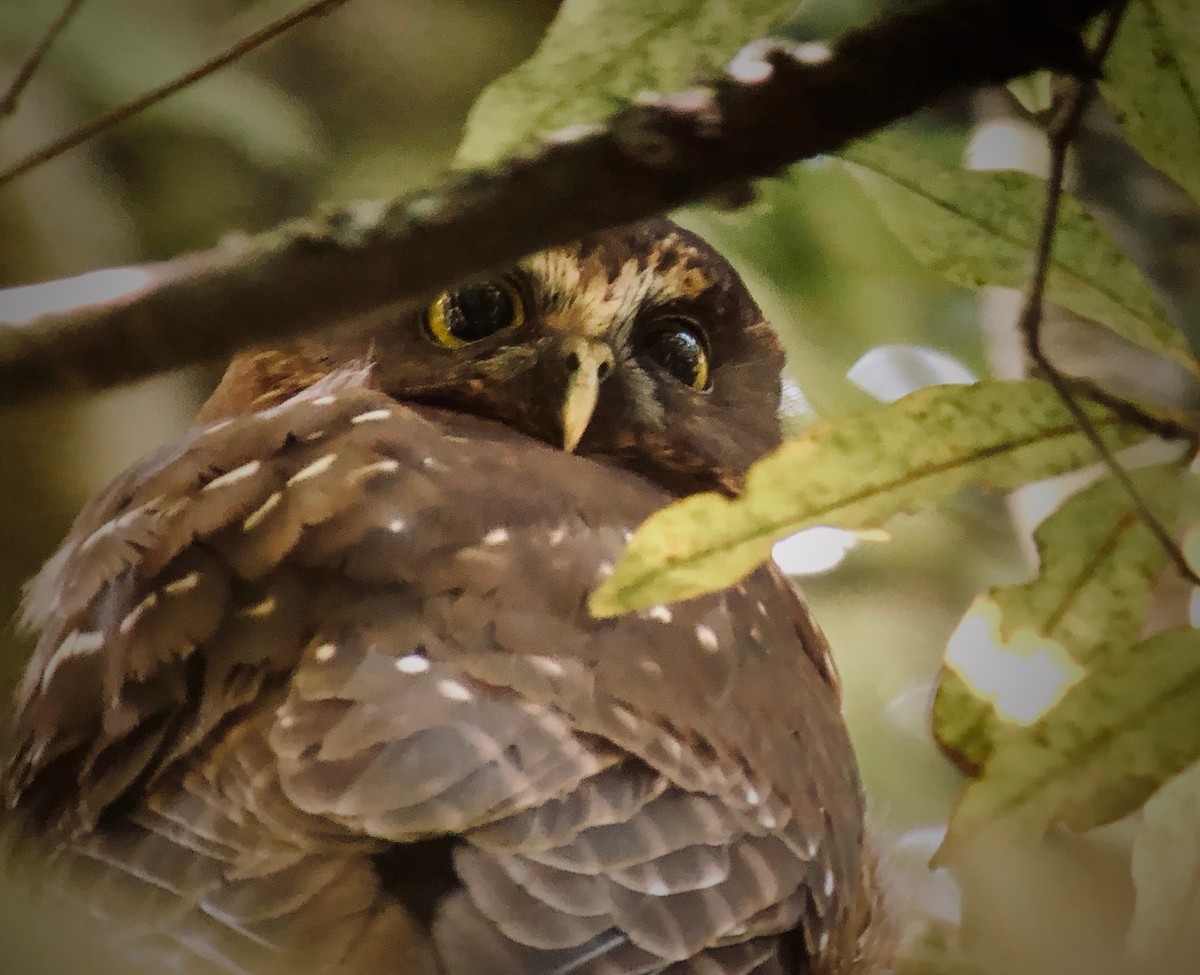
(640, 345)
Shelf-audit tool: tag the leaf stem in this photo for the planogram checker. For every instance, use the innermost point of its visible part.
(1064, 123)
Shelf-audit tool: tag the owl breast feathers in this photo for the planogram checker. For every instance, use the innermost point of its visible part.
(317, 685)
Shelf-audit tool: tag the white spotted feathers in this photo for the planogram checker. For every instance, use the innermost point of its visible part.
(339, 629)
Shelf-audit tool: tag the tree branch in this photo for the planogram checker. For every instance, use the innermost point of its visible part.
(778, 104)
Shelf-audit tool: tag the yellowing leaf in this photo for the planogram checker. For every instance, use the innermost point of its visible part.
(979, 228)
(1116, 736)
(596, 55)
(1097, 563)
(1166, 877)
(1015, 678)
(856, 472)
(1152, 81)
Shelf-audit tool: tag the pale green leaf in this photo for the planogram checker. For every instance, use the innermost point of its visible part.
(1123, 730)
(598, 53)
(1098, 561)
(1034, 91)
(979, 228)
(1166, 876)
(1152, 81)
(855, 472)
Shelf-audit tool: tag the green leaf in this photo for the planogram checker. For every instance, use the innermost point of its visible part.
(855, 472)
(1018, 647)
(1126, 728)
(1166, 875)
(1152, 81)
(597, 54)
(979, 228)
(1034, 91)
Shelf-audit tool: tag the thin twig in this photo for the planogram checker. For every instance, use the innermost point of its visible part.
(1061, 130)
(25, 73)
(314, 8)
(1167, 424)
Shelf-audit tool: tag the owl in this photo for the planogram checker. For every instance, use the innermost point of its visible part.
(317, 689)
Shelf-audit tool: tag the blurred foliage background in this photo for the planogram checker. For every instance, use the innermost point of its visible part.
(370, 101)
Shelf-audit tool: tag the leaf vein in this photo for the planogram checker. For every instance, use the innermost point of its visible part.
(1075, 757)
(989, 228)
(1077, 585)
(778, 527)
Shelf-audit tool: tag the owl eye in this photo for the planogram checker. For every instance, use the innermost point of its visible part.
(679, 348)
(473, 312)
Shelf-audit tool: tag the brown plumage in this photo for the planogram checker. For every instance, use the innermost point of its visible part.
(316, 685)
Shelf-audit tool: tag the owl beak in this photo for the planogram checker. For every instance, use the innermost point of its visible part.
(587, 362)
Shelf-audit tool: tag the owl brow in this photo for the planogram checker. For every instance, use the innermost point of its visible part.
(545, 276)
(668, 305)
(521, 278)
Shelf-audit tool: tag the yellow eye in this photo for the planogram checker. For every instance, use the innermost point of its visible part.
(679, 349)
(473, 312)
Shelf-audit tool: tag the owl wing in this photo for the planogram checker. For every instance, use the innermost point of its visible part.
(310, 635)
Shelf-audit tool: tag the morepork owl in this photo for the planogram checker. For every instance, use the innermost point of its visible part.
(317, 689)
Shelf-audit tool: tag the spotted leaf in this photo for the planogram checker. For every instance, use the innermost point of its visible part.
(856, 472)
(1116, 737)
(1019, 648)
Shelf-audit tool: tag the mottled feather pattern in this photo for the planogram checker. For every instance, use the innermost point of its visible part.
(401, 719)
(318, 685)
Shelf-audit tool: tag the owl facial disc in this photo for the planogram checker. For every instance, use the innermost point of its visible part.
(587, 363)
